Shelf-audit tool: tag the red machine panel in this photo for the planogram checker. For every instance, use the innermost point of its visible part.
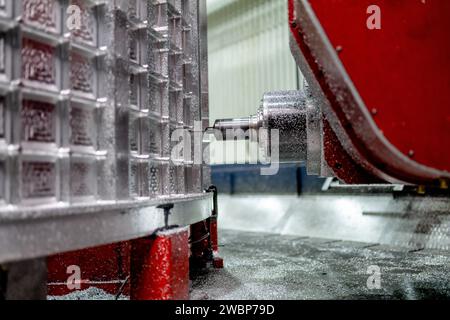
(387, 79)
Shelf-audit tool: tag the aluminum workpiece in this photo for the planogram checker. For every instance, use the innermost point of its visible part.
(90, 92)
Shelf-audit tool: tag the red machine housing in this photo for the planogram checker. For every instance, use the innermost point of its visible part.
(157, 267)
(384, 92)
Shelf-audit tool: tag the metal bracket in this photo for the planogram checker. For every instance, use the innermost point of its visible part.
(167, 211)
(215, 192)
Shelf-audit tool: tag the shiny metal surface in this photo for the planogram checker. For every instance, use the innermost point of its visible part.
(77, 228)
(285, 112)
(410, 222)
(261, 266)
(204, 85)
(244, 124)
(91, 121)
(86, 116)
(279, 125)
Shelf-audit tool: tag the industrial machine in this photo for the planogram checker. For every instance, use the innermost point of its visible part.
(376, 109)
(90, 92)
(375, 115)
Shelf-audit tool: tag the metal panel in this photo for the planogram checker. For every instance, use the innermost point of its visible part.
(409, 222)
(86, 113)
(79, 227)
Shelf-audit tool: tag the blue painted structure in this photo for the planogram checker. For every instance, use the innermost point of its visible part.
(246, 179)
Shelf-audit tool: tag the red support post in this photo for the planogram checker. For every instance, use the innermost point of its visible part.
(213, 230)
(160, 266)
